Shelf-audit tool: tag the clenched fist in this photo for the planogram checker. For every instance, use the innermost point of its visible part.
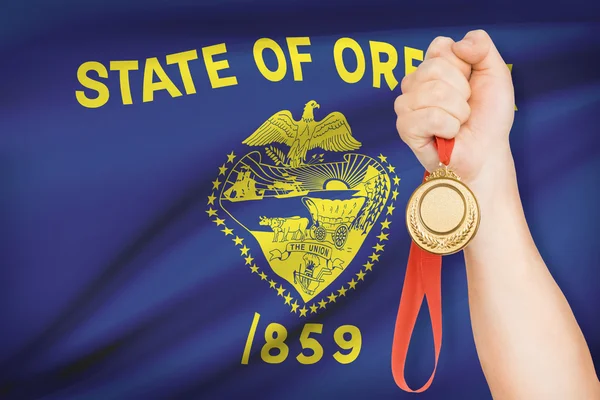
(527, 338)
(461, 90)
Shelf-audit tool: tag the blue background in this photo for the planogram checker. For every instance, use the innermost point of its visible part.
(114, 284)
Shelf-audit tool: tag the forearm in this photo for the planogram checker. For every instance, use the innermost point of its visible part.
(527, 339)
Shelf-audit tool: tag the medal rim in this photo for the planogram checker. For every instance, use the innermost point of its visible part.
(477, 222)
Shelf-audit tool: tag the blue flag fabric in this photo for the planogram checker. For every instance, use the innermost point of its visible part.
(206, 199)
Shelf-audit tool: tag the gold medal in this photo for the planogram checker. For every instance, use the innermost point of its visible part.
(442, 215)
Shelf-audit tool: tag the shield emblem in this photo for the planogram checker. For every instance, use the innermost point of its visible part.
(309, 217)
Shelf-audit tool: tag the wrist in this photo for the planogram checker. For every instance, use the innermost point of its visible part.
(502, 218)
(496, 180)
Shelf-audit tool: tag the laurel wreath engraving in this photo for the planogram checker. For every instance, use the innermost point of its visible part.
(435, 242)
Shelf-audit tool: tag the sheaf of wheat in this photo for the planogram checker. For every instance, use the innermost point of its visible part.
(435, 242)
(275, 154)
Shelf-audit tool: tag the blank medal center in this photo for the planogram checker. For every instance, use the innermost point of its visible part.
(442, 209)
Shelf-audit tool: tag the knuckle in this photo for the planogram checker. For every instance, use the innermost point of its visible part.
(438, 91)
(401, 128)
(412, 130)
(482, 33)
(466, 113)
(436, 68)
(443, 41)
(454, 126)
(404, 84)
(436, 118)
(438, 44)
(479, 35)
(443, 124)
(399, 106)
(432, 68)
(467, 90)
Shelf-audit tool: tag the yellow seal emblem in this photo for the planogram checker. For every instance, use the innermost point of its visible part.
(309, 211)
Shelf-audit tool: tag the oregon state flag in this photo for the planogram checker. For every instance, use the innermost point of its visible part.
(206, 200)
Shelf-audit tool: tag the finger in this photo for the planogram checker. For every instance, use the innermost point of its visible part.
(441, 47)
(418, 130)
(477, 49)
(438, 69)
(425, 152)
(420, 126)
(435, 94)
(428, 156)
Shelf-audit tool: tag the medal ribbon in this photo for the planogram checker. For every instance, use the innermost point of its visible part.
(423, 281)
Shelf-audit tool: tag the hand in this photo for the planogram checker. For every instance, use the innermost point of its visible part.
(461, 90)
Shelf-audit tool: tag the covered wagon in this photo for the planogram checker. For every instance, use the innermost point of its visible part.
(333, 217)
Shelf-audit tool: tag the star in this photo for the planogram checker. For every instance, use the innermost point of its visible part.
(211, 212)
(385, 224)
(383, 236)
(368, 266)
(391, 168)
(332, 298)
(382, 158)
(254, 268)
(230, 157)
(322, 303)
(378, 247)
(227, 231)
(374, 257)
(249, 260)
(294, 306)
(272, 284)
(342, 291)
(238, 240)
(352, 283)
(222, 169)
(211, 199)
(303, 311)
(288, 298)
(263, 276)
(390, 210)
(216, 183)
(394, 194)
(396, 181)
(280, 291)
(361, 275)
(313, 308)
(219, 221)
(244, 250)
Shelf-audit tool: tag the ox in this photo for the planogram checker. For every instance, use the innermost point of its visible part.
(294, 225)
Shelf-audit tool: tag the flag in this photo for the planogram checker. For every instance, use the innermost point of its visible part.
(208, 200)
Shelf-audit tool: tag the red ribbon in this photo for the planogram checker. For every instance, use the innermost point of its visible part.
(423, 280)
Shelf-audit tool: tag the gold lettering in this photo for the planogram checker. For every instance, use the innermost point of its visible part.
(182, 60)
(297, 58)
(124, 67)
(164, 83)
(259, 47)
(89, 83)
(338, 50)
(213, 67)
(411, 54)
(383, 68)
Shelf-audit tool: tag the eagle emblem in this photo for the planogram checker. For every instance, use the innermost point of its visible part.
(332, 133)
(299, 220)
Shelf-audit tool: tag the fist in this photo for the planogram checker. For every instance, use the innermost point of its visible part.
(461, 90)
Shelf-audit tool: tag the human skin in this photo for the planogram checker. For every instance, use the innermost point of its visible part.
(528, 341)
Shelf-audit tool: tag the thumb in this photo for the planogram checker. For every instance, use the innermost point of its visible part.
(477, 49)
